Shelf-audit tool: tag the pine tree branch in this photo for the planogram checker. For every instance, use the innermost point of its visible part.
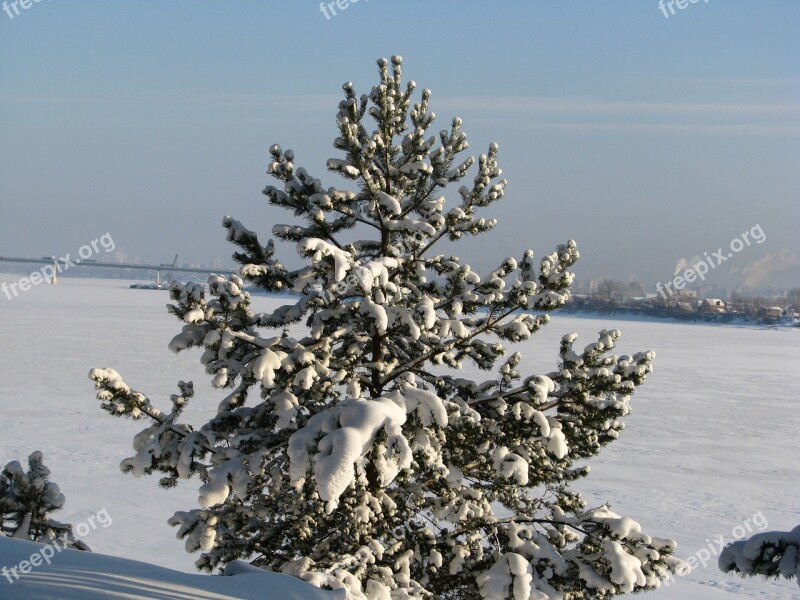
(452, 346)
(510, 395)
(510, 520)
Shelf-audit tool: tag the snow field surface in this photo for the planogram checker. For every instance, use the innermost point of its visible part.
(75, 575)
(709, 444)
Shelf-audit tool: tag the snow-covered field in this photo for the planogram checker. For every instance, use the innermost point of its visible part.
(710, 451)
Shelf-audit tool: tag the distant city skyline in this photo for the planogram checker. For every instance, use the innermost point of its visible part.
(653, 140)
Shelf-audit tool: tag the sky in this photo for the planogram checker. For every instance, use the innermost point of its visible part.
(651, 138)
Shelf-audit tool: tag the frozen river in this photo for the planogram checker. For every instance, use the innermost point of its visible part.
(710, 450)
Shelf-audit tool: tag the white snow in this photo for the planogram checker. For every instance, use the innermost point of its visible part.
(708, 445)
(342, 436)
(390, 203)
(626, 570)
(265, 365)
(75, 575)
(319, 249)
(510, 465)
(745, 554)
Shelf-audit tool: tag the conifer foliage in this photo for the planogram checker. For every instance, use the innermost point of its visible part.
(351, 449)
(767, 554)
(26, 500)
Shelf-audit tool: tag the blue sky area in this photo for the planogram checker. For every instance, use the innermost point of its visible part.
(648, 139)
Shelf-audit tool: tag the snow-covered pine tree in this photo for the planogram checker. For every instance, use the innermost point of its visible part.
(357, 453)
(26, 500)
(767, 554)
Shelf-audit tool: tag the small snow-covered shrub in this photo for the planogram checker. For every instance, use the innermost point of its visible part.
(768, 554)
(26, 500)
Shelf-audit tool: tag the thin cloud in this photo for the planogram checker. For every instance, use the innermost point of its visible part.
(747, 81)
(790, 130)
(574, 105)
(579, 114)
(292, 103)
(645, 117)
(283, 102)
(6, 99)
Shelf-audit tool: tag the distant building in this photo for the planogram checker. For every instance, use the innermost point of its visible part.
(713, 305)
(773, 312)
(680, 304)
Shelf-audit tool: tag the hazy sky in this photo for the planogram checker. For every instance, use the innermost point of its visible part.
(648, 139)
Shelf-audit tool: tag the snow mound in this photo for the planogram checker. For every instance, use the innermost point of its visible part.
(75, 575)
